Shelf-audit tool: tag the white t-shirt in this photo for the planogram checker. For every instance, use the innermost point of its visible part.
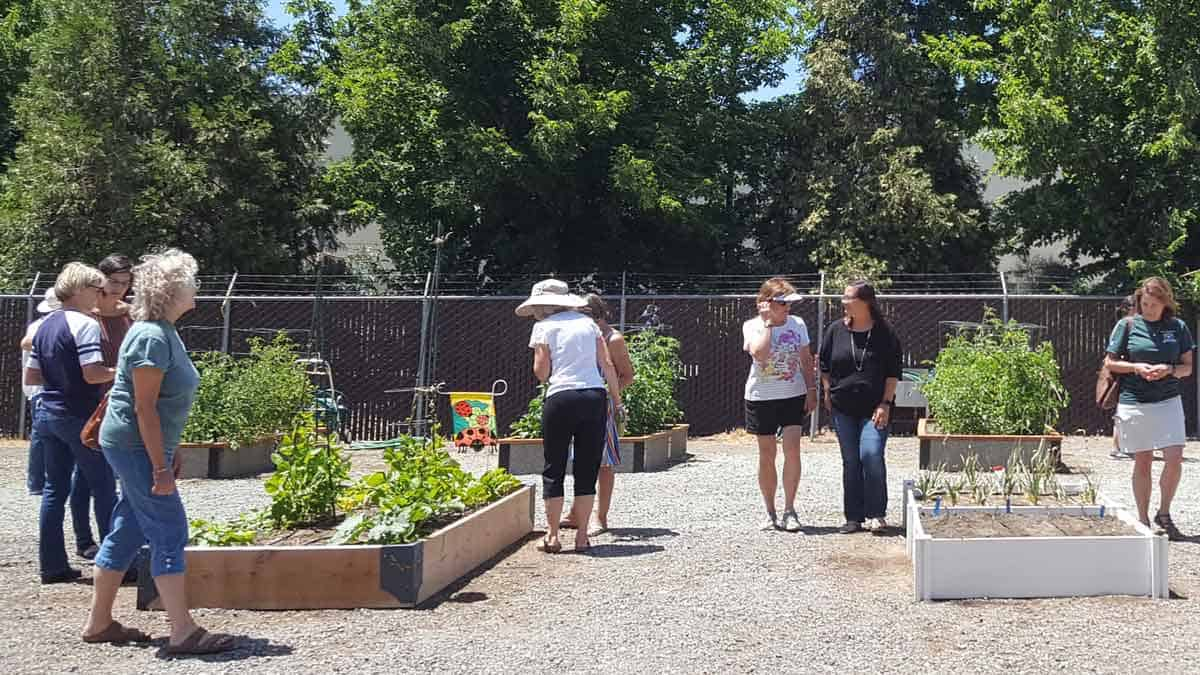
(30, 390)
(571, 337)
(781, 376)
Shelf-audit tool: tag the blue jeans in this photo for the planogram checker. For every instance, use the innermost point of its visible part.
(81, 498)
(35, 478)
(864, 470)
(63, 452)
(141, 516)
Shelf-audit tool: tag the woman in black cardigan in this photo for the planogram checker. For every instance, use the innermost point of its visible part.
(860, 368)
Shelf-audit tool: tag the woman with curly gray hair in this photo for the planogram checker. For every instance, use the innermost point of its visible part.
(147, 409)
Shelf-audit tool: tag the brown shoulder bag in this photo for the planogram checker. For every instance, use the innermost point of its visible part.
(1108, 388)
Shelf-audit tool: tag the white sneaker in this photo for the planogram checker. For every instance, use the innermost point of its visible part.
(791, 522)
(771, 523)
(876, 525)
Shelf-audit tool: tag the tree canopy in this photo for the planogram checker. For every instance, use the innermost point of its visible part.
(146, 125)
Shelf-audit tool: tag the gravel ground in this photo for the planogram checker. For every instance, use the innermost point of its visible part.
(683, 583)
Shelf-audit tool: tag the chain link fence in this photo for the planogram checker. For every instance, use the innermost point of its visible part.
(373, 342)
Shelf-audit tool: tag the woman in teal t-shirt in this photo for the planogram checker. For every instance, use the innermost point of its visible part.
(148, 407)
(1149, 413)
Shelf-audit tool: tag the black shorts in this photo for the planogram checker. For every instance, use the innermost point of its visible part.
(765, 418)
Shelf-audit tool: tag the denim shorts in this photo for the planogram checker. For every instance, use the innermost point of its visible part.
(141, 517)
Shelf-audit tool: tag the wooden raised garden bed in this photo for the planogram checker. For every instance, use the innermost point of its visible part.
(1031, 551)
(638, 453)
(218, 460)
(349, 577)
(947, 450)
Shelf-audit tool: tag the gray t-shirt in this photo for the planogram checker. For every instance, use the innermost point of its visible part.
(150, 344)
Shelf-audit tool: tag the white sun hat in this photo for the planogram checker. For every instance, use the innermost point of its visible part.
(550, 293)
(49, 303)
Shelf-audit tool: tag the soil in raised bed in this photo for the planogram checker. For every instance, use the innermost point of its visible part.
(968, 525)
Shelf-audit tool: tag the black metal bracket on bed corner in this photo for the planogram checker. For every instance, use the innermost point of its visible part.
(639, 456)
(400, 571)
(147, 592)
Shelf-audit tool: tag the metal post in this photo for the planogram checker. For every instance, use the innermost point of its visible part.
(1196, 377)
(1004, 303)
(226, 311)
(422, 357)
(623, 292)
(814, 421)
(29, 305)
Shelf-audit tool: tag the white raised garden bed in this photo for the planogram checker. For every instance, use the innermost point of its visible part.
(1034, 566)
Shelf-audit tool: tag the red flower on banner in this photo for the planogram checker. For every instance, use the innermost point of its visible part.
(463, 409)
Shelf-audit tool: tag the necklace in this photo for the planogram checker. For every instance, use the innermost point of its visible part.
(859, 363)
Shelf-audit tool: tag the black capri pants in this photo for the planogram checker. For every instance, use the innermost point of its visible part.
(579, 415)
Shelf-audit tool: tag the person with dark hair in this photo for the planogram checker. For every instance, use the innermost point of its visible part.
(1126, 311)
(777, 394)
(1149, 412)
(860, 368)
(597, 308)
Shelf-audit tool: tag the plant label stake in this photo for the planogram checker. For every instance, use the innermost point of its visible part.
(1101, 510)
(937, 505)
(1008, 504)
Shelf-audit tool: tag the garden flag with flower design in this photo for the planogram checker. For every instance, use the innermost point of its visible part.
(474, 419)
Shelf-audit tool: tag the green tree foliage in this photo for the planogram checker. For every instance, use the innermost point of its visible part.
(1098, 103)
(18, 18)
(152, 124)
(547, 134)
(864, 168)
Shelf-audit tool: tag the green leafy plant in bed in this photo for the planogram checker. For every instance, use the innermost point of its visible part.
(992, 382)
(651, 402)
(241, 400)
(421, 489)
(241, 531)
(529, 425)
(311, 473)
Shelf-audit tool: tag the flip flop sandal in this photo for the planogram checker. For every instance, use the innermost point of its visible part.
(547, 547)
(584, 548)
(116, 634)
(203, 642)
(568, 525)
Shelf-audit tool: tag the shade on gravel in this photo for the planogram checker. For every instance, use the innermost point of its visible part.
(683, 583)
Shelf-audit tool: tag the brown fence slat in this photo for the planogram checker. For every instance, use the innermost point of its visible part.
(373, 346)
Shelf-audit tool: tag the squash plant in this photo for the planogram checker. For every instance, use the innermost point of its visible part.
(420, 489)
(650, 401)
(992, 382)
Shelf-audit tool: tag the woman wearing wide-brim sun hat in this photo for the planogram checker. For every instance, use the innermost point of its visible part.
(567, 348)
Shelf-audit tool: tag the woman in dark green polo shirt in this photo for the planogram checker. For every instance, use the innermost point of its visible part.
(1149, 413)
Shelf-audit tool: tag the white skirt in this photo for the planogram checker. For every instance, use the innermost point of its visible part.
(1142, 427)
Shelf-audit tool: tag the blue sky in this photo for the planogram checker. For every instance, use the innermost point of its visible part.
(790, 84)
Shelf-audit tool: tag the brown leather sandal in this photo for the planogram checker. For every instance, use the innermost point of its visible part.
(116, 634)
(203, 642)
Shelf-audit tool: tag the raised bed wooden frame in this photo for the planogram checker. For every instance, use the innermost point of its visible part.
(218, 460)
(937, 449)
(523, 456)
(1034, 567)
(348, 577)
